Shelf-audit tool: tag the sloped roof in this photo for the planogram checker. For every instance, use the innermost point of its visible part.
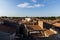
(33, 27)
(57, 24)
(48, 33)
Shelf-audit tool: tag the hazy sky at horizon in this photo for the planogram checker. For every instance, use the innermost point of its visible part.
(29, 7)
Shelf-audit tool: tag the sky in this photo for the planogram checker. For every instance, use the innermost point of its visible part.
(31, 8)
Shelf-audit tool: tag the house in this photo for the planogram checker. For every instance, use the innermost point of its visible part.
(57, 24)
(43, 25)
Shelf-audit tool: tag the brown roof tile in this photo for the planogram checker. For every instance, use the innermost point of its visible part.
(33, 27)
(57, 24)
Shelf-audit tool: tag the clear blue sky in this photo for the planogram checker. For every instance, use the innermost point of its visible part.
(29, 7)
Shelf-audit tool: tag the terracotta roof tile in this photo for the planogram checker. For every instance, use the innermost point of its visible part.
(57, 24)
(33, 27)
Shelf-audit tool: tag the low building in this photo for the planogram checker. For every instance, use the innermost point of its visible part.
(57, 24)
(43, 25)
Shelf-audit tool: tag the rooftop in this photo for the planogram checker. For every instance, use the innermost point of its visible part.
(57, 24)
(33, 27)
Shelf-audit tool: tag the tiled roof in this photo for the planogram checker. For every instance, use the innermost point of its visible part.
(57, 24)
(48, 33)
(33, 27)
